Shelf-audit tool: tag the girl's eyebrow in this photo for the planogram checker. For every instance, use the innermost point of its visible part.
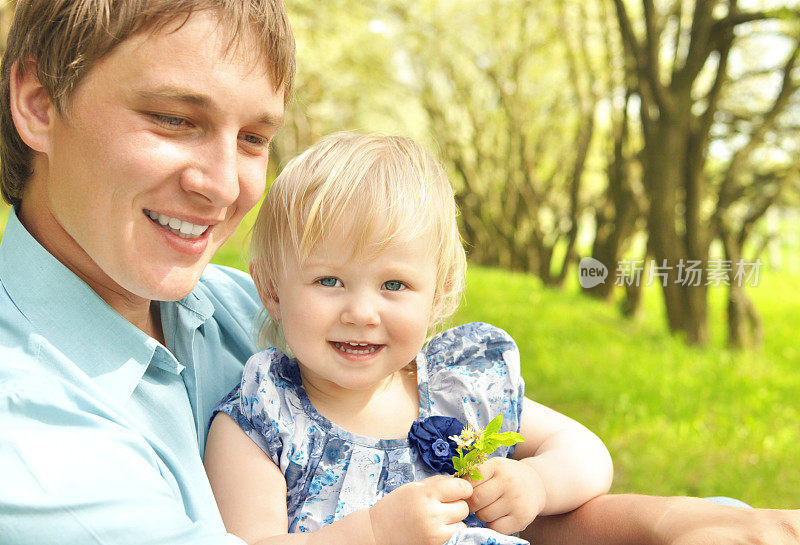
(316, 263)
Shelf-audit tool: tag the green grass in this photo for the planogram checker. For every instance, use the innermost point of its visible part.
(677, 419)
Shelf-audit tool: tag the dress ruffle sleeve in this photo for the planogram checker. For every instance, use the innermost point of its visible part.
(474, 375)
(259, 404)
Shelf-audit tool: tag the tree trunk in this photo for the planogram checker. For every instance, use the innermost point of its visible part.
(744, 325)
(615, 222)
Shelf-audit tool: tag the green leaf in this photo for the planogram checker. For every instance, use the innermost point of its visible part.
(475, 475)
(458, 464)
(471, 456)
(490, 444)
(494, 426)
(508, 438)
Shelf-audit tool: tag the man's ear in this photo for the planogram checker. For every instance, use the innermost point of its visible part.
(267, 292)
(32, 109)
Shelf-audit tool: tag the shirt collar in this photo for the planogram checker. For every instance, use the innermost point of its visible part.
(64, 310)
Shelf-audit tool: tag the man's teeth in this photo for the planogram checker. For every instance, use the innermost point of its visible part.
(183, 229)
(355, 348)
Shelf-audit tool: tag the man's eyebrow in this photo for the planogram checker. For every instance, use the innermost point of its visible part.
(200, 100)
(173, 93)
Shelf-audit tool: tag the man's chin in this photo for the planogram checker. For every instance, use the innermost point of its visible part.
(172, 287)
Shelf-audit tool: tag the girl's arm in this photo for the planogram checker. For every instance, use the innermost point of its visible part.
(250, 491)
(560, 466)
(572, 462)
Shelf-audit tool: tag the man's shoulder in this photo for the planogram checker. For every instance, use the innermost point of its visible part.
(23, 378)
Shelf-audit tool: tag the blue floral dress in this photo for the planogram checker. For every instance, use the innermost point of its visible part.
(470, 372)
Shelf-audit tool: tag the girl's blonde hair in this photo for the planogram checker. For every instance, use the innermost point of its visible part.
(388, 188)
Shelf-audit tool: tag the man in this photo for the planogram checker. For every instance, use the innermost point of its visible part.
(135, 136)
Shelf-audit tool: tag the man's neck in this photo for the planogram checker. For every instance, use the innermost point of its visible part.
(142, 313)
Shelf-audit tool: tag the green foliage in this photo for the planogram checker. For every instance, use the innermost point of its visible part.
(678, 420)
(475, 446)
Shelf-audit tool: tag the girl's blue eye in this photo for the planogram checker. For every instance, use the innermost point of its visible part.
(393, 285)
(329, 282)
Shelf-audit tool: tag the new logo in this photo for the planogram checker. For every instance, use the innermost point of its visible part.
(591, 272)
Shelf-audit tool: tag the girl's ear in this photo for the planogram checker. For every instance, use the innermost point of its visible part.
(32, 109)
(436, 309)
(272, 304)
(267, 292)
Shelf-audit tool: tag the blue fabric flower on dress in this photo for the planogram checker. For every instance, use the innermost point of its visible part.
(430, 437)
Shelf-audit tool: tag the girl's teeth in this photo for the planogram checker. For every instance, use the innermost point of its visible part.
(349, 348)
(183, 229)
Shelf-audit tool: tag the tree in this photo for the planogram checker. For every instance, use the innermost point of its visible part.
(762, 166)
(511, 105)
(619, 209)
(346, 79)
(678, 56)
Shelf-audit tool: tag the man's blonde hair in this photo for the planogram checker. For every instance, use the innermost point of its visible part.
(388, 188)
(64, 39)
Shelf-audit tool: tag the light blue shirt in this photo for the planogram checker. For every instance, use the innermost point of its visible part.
(102, 428)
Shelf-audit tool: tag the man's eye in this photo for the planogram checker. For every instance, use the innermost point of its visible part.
(329, 282)
(170, 121)
(255, 140)
(393, 285)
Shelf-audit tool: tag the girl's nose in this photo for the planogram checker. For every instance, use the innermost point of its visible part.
(361, 310)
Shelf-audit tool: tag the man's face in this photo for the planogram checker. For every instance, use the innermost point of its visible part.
(162, 150)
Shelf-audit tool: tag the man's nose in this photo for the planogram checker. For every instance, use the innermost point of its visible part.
(361, 309)
(214, 174)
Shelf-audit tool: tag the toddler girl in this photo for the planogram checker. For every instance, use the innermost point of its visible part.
(357, 258)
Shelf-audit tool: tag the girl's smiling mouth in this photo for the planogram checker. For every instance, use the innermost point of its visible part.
(358, 349)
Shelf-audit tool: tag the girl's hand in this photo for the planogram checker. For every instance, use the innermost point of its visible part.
(510, 495)
(424, 512)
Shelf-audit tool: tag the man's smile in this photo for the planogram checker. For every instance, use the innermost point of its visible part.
(183, 229)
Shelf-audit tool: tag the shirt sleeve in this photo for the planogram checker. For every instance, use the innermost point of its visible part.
(474, 370)
(70, 475)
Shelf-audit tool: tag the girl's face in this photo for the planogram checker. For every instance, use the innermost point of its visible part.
(353, 321)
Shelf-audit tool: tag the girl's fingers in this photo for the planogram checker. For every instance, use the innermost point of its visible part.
(454, 527)
(453, 512)
(486, 493)
(450, 489)
(493, 512)
(448, 530)
(505, 525)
